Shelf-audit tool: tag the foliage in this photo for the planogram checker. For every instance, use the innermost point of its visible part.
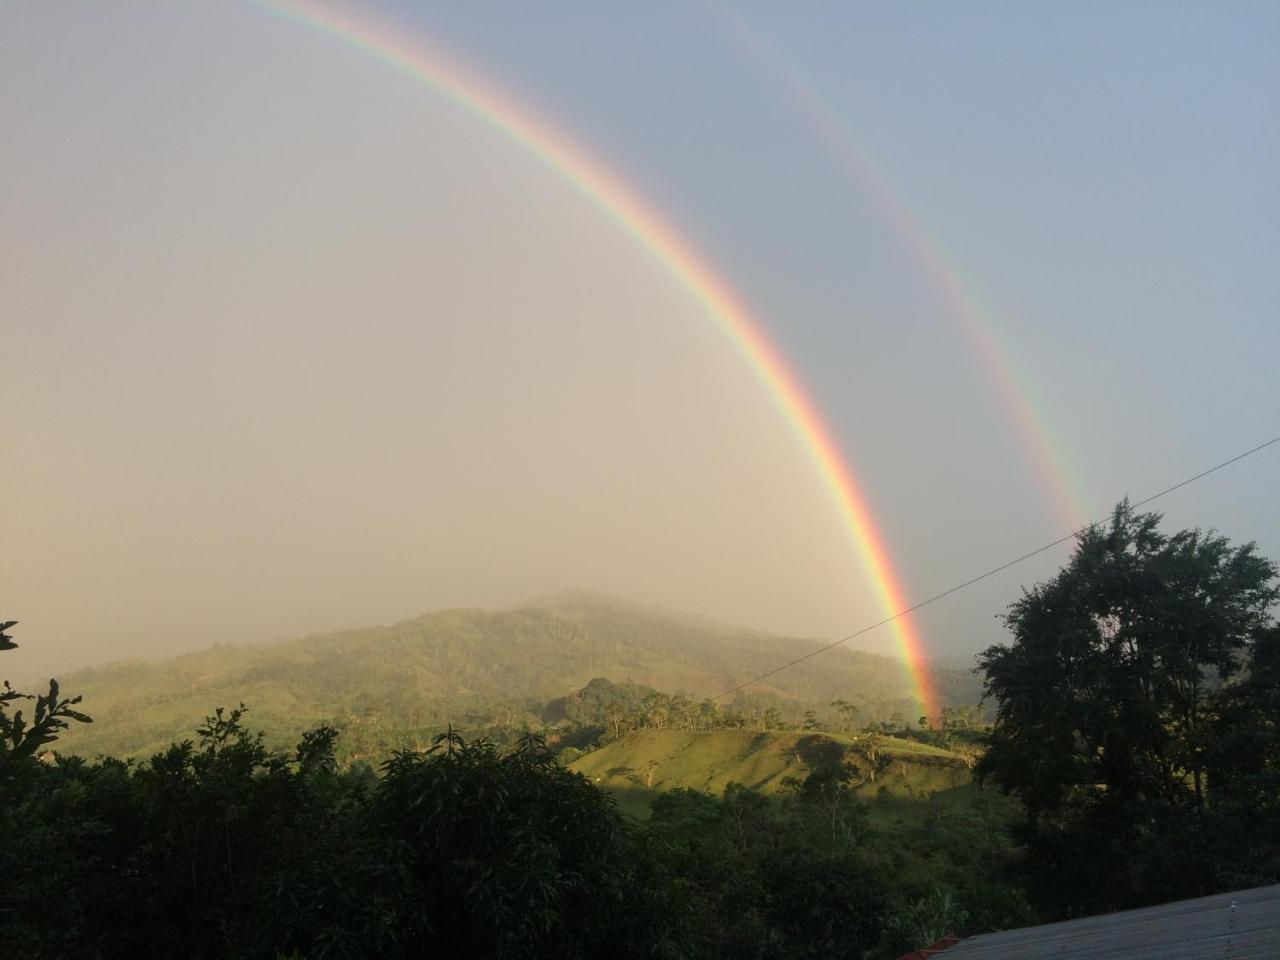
(930, 918)
(762, 882)
(1243, 766)
(513, 856)
(1137, 728)
(1121, 721)
(220, 848)
(20, 739)
(200, 851)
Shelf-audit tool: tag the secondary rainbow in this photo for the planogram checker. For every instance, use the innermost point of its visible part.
(1015, 395)
(624, 205)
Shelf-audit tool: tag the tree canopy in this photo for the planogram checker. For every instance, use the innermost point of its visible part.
(1138, 724)
(1113, 701)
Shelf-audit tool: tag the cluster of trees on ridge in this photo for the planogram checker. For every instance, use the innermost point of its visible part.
(1136, 725)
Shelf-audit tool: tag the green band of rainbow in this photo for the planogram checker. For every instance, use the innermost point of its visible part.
(1015, 395)
(648, 228)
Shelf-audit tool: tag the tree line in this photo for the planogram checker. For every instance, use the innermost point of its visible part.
(603, 712)
(1137, 704)
(218, 847)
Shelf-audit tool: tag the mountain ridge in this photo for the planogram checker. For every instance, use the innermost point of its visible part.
(456, 666)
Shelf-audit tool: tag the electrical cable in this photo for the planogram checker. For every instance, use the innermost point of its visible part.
(992, 572)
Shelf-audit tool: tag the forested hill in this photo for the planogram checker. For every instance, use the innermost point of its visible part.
(471, 668)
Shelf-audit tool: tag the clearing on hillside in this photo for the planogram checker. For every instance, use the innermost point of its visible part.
(651, 761)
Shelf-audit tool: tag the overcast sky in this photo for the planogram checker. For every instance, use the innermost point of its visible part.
(291, 342)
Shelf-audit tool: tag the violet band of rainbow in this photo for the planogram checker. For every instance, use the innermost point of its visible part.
(414, 57)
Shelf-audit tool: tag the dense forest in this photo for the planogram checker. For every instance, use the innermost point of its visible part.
(1132, 756)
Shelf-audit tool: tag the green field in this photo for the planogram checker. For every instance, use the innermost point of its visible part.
(647, 762)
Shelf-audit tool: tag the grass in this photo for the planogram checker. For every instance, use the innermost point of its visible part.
(648, 762)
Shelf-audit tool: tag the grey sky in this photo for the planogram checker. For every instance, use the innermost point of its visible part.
(292, 343)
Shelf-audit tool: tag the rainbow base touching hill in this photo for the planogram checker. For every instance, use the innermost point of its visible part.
(412, 55)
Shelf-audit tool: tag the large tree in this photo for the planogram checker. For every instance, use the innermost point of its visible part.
(1108, 712)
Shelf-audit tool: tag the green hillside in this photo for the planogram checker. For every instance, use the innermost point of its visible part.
(392, 686)
(648, 762)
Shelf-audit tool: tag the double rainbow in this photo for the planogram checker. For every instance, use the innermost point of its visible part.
(961, 305)
(652, 232)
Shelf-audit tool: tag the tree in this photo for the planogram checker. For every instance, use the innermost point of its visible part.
(966, 751)
(650, 769)
(708, 714)
(745, 814)
(616, 717)
(759, 882)
(512, 855)
(870, 747)
(830, 785)
(847, 712)
(1243, 765)
(816, 909)
(655, 710)
(20, 739)
(1106, 707)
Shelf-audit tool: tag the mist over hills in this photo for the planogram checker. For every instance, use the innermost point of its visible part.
(400, 683)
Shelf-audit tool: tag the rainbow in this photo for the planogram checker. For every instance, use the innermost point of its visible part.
(653, 233)
(1016, 397)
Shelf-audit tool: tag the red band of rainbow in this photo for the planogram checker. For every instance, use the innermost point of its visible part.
(648, 228)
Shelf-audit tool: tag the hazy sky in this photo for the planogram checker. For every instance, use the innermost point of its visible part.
(292, 342)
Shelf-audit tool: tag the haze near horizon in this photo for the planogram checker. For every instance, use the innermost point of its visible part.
(296, 343)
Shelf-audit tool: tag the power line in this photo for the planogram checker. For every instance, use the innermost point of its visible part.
(993, 571)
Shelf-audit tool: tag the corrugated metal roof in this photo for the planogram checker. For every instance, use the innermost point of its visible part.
(1227, 926)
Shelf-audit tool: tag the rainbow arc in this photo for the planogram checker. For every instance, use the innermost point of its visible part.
(617, 199)
(945, 279)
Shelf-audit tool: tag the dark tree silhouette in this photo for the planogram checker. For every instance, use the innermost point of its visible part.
(1107, 699)
(21, 738)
